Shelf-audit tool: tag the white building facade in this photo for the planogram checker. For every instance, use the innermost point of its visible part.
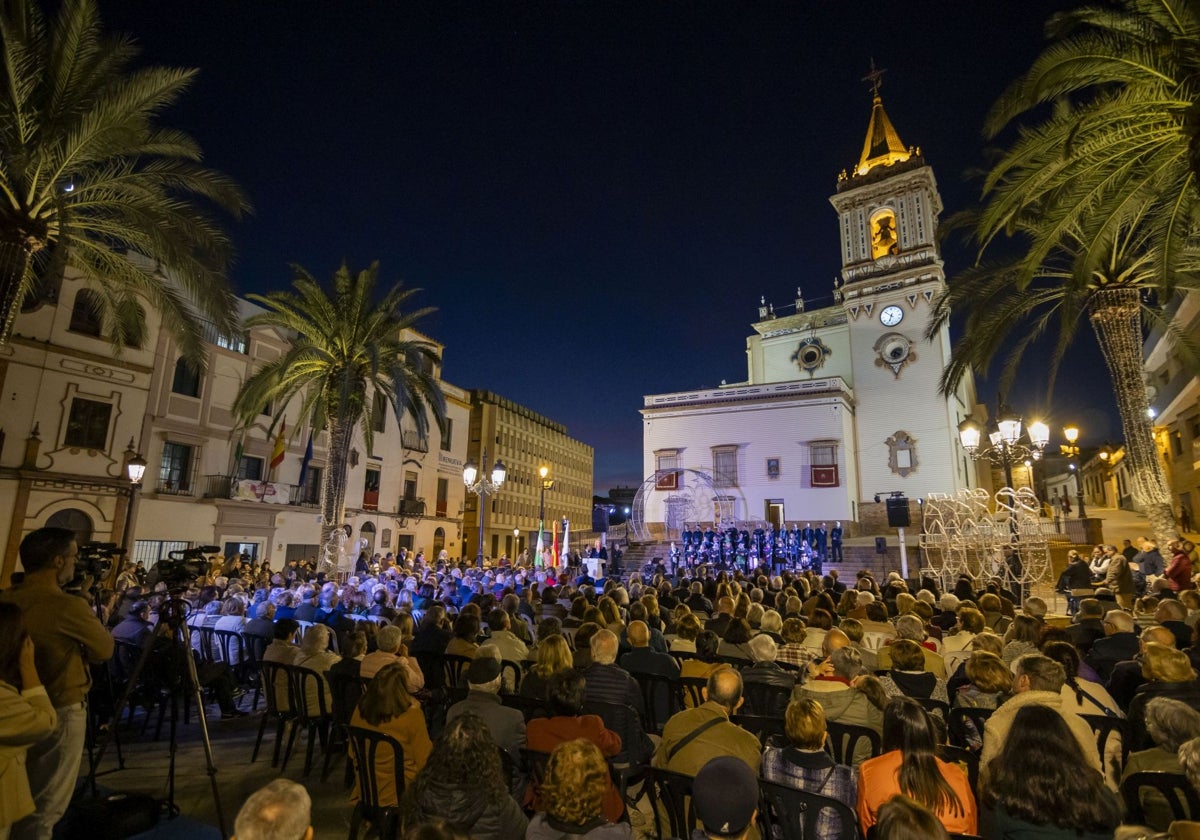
(840, 403)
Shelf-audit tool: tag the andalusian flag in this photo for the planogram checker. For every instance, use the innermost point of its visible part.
(537, 552)
(278, 450)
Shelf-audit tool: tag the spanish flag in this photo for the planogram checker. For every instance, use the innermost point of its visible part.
(278, 449)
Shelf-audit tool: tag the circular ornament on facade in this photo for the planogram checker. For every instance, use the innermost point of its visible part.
(810, 354)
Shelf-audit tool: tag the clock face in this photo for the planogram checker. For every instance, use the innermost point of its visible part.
(891, 316)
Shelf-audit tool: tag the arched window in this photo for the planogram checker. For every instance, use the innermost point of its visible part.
(439, 541)
(367, 532)
(884, 238)
(85, 313)
(75, 520)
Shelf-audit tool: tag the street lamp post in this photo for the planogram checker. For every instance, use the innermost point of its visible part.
(1071, 450)
(135, 470)
(481, 488)
(1005, 446)
(516, 545)
(547, 484)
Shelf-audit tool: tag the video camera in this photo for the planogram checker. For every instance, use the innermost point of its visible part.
(182, 567)
(96, 559)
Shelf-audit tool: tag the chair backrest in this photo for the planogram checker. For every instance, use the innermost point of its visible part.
(530, 707)
(124, 659)
(210, 651)
(844, 739)
(345, 690)
(967, 759)
(692, 689)
(232, 648)
(661, 696)
(535, 764)
(302, 681)
(1174, 787)
(432, 668)
(510, 676)
(455, 669)
(674, 792)
(626, 722)
(959, 715)
(681, 656)
(364, 746)
(278, 687)
(790, 814)
(1105, 728)
(938, 707)
(765, 699)
(769, 730)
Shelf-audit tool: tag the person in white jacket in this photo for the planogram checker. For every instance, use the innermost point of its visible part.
(26, 716)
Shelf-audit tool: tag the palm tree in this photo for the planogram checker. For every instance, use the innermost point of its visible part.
(86, 175)
(1097, 196)
(346, 348)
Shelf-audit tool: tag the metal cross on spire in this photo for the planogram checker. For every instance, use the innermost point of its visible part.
(874, 78)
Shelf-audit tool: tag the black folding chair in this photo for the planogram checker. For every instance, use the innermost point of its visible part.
(960, 734)
(1104, 727)
(364, 747)
(938, 707)
(455, 669)
(693, 690)
(768, 730)
(1174, 787)
(790, 814)
(673, 791)
(345, 691)
(967, 759)
(312, 715)
(765, 699)
(277, 688)
(530, 707)
(510, 676)
(662, 697)
(844, 739)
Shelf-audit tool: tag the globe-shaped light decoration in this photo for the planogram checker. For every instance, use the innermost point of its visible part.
(1009, 424)
(470, 473)
(1039, 436)
(969, 434)
(499, 472)
(136, 469)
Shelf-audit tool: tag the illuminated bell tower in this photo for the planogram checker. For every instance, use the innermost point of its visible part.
(892, 274)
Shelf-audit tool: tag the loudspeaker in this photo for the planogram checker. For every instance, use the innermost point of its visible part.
(881, 545)
(897, 510)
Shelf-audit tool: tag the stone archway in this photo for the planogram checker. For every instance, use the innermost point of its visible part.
(75, 520)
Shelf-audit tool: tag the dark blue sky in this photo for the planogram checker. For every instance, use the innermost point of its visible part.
(593, 194)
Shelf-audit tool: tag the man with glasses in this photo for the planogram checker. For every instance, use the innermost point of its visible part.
(67, 637)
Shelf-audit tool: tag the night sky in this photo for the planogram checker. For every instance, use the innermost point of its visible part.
(593, 194)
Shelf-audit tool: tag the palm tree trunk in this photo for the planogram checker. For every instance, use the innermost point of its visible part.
(333, 496)
(14, 261)
(1117, 321)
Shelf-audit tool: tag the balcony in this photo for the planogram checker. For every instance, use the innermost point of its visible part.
(413, 507)
(414, 442)
(263, 492)
(180, 487)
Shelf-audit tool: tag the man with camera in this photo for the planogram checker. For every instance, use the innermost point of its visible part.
(67, 636)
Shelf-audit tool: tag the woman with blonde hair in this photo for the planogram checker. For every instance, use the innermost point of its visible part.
(1169, 673)
(572, 792)
(610, 614)
(805, 765)
(686, 630)
(552, 656)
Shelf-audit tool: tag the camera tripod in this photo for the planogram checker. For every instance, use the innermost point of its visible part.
(172, 617)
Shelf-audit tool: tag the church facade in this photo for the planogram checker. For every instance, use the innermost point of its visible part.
(841, 403)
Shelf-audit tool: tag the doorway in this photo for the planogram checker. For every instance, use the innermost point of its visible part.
(775, 513)
(232, 549)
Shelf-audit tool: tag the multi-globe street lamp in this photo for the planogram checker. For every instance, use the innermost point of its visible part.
(1005, 445)
(477, 482)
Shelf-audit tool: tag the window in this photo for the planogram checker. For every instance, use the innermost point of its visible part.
(824, 465)
(725, 466)
(175, 470)
(85, 313)
(250, 468)
(1176, 444)
(666, 469)
(371, 490)
(378, 411)
(310, 491)
(410, 484)
(447, 438)
(187, 379)
(87, 424)
(443, 491)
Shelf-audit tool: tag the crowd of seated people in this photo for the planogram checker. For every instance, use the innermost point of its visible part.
(897, 658)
